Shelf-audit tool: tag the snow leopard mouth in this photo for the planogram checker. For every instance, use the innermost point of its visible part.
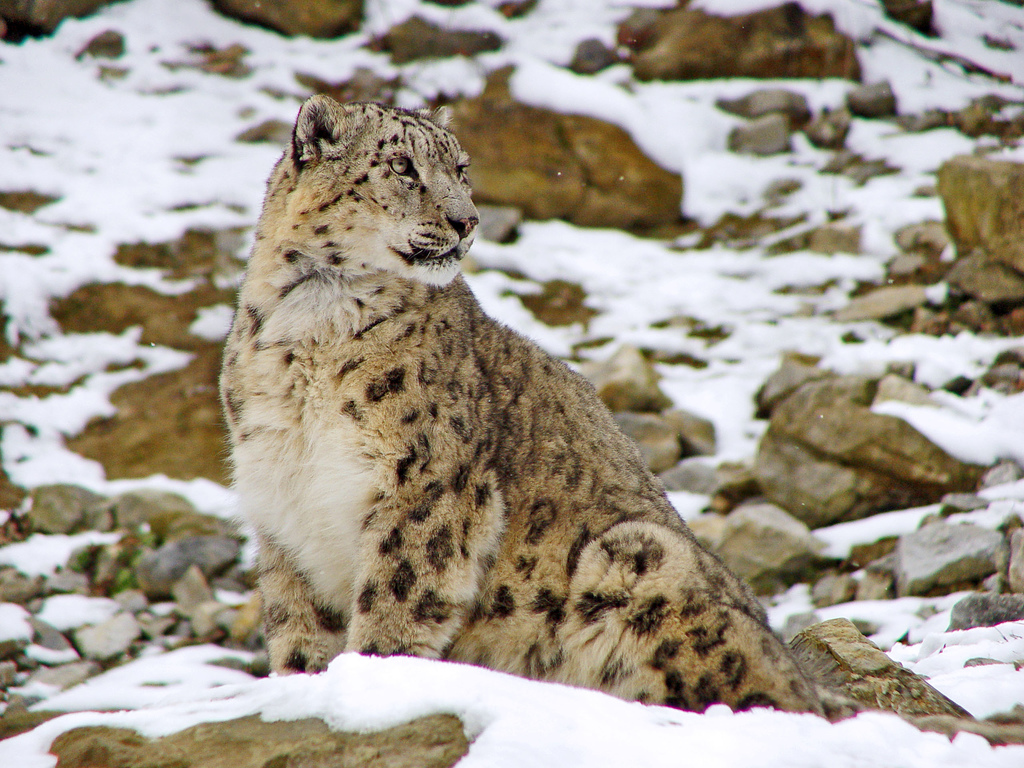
(423, 256)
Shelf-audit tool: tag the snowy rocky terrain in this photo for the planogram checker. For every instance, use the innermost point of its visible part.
(786, 242)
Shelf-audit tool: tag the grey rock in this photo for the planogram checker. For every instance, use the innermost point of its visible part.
(8, 669)
(210, 616)
(696, 433)
(957, 503)
(840, 657)
(767, 135)
(887, 301)
(132, 600)
(766, 101)
(893, 387)
(695, 475)
(986, 279)
(986, 610)
(48, 637)
(942, 555)
(1002, 473)
(657, 438)
(416, 38)
(829, 129)
(1015, 571)
(793, 373)
(107, 641)
(499, 223)
(16, 587)
(709, 530)
(878, 581)
(106, 45)
(592, 56)
(833, 589)
(66, 581)
(928, 238)
(155, 626)
(875, 100)
(627, 381)
(797, 623)
(191, 591)
(61, 508)
(66, 675)
(137, 507)
(158, 571)
(767, 546)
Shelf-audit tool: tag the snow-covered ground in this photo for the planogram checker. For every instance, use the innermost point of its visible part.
(115, 150)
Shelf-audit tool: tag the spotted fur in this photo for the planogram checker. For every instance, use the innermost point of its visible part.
(424, 480)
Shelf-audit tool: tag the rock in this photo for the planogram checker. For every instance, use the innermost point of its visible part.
(709, 530)
(132, 600)
(8, 672)
(829, 129)
(66, 675)
(875, 100)
(884, 302)
(766, 546)
(559, 303)
(15, 587)
(550, 165)
(1015, 573)
(62, 508)
(892, 387)
(793, 372)
(878, 581)
(958, 503)
(591, 57)
(839, 656)
(827, 457)
(134, 508)
(834, 238)
(984, 202)
(916, 14)
(768, 135)
(245, 628)
(1002, 473)
(17, 630)
(191, 591)
(434, 741)
(768, 101)
(67, 581)
(695, 475)
(269, 131)
(210, 616)
(416, 38)
(696, 434)
(986, 610)
(158, 571)
(315, 18)
(46, 16)
(498, 223)
(687, 44)
(942, 557)
(657, 439)
(106, 45)
(107, 641)
(627, 381)
(983, 277)
(833, 589)
(46, 636)
(928, 239)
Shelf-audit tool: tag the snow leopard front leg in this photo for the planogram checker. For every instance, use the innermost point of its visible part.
(423, 552)
(303, 632)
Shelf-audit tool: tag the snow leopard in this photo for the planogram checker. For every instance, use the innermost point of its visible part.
(423, 480)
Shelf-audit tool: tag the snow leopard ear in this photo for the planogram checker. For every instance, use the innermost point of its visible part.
(441, 116)
(321, 123)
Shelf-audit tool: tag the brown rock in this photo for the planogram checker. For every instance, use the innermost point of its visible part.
(784, 41)
(657, 439)
(416, 38)
(316, 18)
(838, 655)
(829, 129)
(914, 13)
(627, 382)
(435, 741)
(984, 202)
(48, 14)
(887, 301)
(987, 279)
(562, 166)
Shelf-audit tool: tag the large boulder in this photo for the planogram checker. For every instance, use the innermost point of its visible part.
(315, 18)
(45, 15)
(553, 166)
(785, 41)
(826, 457)
(435, 741)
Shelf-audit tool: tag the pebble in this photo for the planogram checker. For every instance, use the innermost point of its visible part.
(107, 641)
(944, 555)
(829, 129)
(15, 587)
(69, 582)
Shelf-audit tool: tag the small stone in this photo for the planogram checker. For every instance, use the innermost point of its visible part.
(132, 600)
(696, 433)
(269, 131)
(627, 382)
(137, 507)
(709, 529)
(155, 626)
(191, 590)
(767, 135)
(914, 13)
(208, 616)
(61, 508)
(15, 587)
(942, 555)
(986, 610)
(107, 641)
(835, 238)
(896, 388)
(767, 546)
(66, 581)
(657, 439)
(767, 101)
(829, 129)
(797, 623)
(833, 589)
(875, 100)
(957, 503)
(1002, 473)
(591, 57)
(48, 637)
(929, 239)
(66, 675)
(694, 475)
(158, 571)
(105, 45)
(498, 223)
(793, 373)
(416, 38)
(245, 628)
(1015, 571)
(8, 671)
(985, 279)
(887, 301)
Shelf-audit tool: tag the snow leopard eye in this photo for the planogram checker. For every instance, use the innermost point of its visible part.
(403, 167)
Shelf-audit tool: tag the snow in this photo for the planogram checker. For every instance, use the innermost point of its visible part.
(144, 154)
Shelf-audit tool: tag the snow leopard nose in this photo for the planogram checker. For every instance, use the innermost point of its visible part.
(464, 226)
